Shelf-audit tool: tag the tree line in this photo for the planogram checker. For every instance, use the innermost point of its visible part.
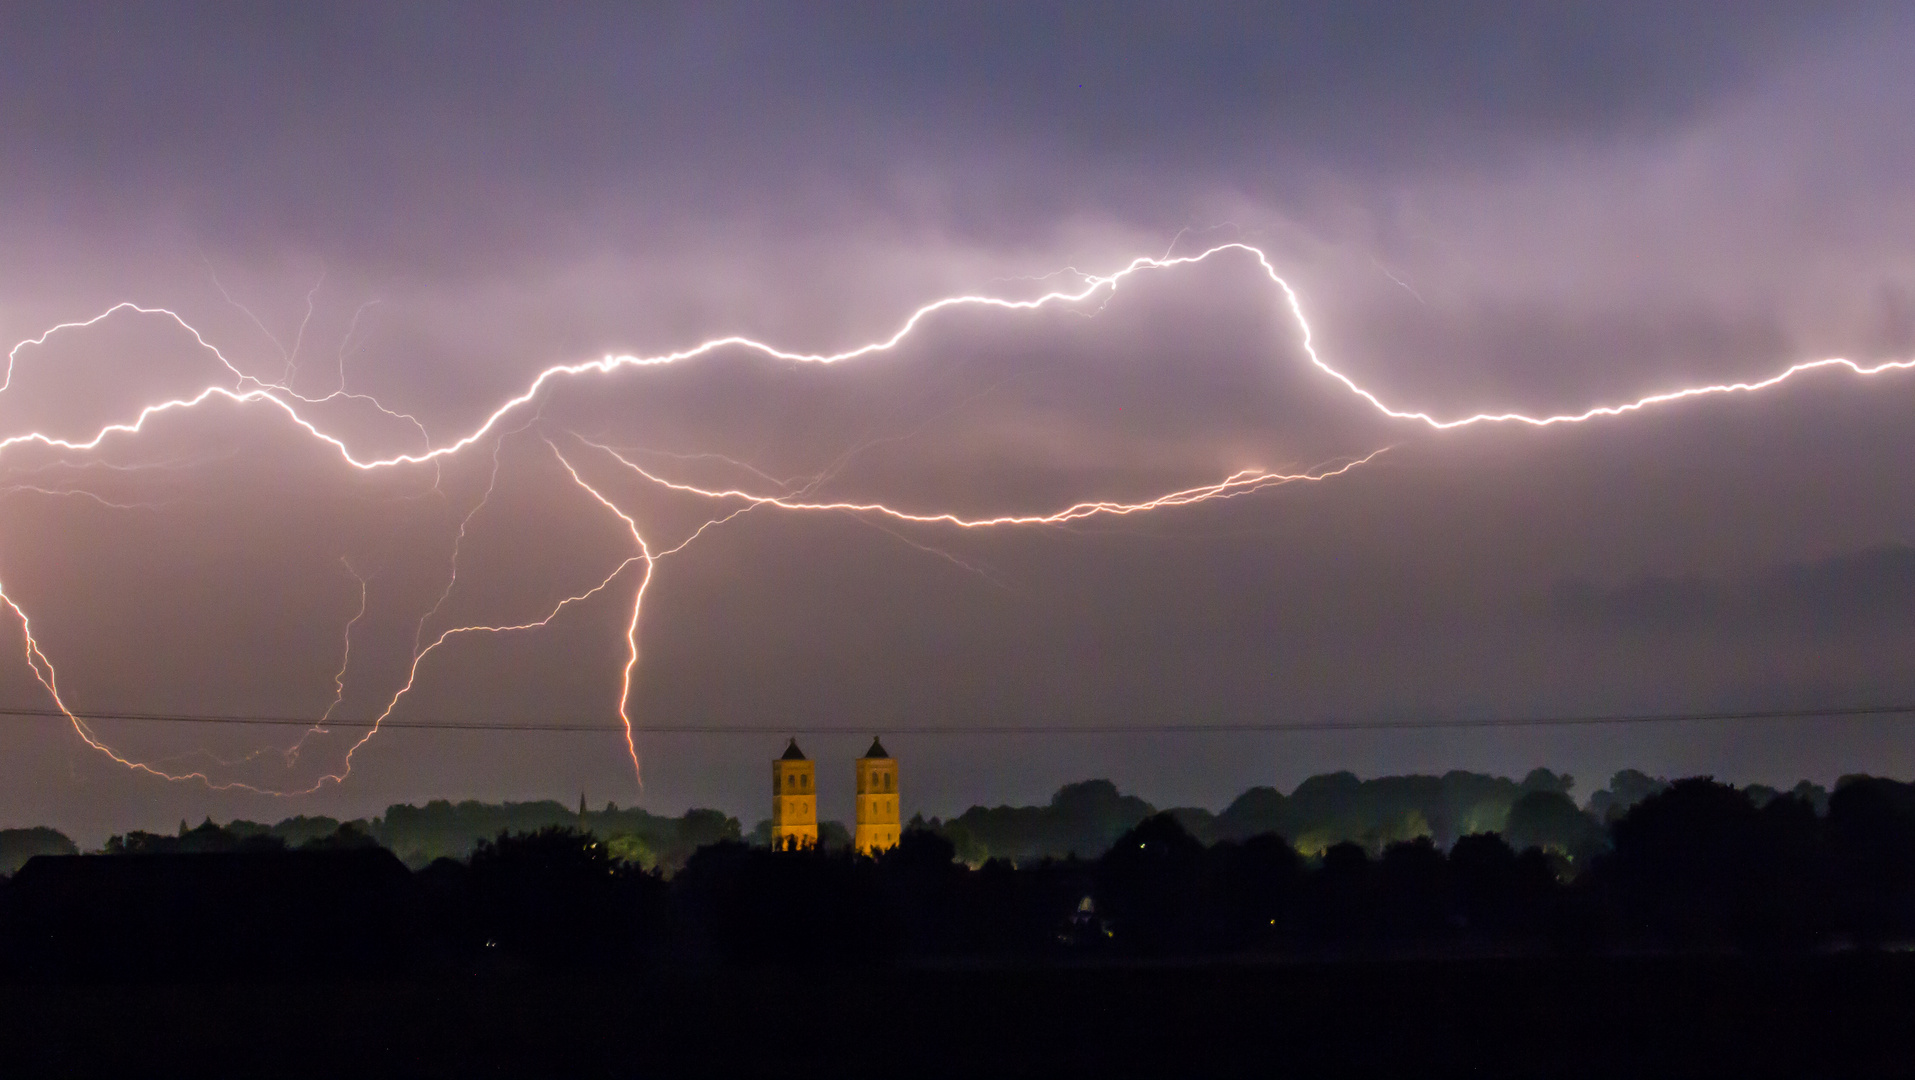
(416, 834)
(1691, 865)
(1081, 819)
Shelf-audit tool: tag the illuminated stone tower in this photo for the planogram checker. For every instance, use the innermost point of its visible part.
(794, 801)
(877, 801)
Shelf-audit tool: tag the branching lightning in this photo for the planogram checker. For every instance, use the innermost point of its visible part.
(244, 389)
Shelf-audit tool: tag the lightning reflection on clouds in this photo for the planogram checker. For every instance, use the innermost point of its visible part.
(242, 388)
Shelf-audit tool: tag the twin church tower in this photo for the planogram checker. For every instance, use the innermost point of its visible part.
(794, 801)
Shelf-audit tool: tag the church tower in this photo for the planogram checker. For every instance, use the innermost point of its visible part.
(877, 801)
(794, 801)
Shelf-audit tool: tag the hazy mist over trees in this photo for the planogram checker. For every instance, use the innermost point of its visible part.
(1081, 820)
(1084, 819)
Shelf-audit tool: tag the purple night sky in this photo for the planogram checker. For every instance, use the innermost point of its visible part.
(1482, 207)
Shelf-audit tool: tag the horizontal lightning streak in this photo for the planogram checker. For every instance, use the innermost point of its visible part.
(247, 389)
(1094, 284)
(1240, 483)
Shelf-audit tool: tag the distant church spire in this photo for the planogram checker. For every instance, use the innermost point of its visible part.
(877, 788)
(794, 801)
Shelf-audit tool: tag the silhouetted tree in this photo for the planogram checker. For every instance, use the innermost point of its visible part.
(1201, 824)
(203, 839)
(1253, 813)
(1027, 910)
(1254, 888)
(457, 937)
(1541, 779)
(346, 837)
(442, 829)
(1414, 882)
(1147, 885)
(752, 906)
(1698, 865)
(1627, 788)
(1341, 895)
(1082, 820)
(1871, 824)
(1794, 901)
(1815, 795)
(1503, 895)
(1549, 820)
(19, 845)
(296, 831)
(923, 885)
(557, 896)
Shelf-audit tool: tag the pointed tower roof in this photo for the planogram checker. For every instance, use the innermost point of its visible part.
(877, 749)
(792, 753)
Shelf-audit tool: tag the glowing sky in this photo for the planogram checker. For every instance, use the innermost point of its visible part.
(1480, 207)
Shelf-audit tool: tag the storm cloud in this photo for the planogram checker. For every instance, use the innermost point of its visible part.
(1481, 207)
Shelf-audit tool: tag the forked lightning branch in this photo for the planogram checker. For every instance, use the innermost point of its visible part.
(635, 572)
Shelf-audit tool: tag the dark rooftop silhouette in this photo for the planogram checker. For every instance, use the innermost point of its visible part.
(792, 753)
(877, 749)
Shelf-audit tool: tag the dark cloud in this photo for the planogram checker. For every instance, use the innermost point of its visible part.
(344, 128)
(1859, 594)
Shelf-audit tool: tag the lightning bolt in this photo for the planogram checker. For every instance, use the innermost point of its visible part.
(1093, 285)
(339, 676)
(1236, 484)
(77, 493)
(245, 389)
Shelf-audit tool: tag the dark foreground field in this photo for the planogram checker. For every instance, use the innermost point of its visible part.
(1705, 936)
(1846, 1015)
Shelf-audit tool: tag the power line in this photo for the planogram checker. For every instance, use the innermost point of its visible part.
(1254, 726)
